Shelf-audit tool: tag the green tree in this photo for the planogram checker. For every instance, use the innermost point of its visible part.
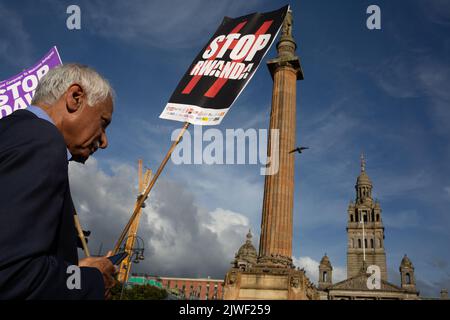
(138, 292)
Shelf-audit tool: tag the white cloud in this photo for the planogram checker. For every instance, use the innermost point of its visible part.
(236, 187)
(180, 237)
(222, 219)
(230, 228)
(311, 267)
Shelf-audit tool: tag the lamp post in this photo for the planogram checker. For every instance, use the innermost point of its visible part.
(137, 251)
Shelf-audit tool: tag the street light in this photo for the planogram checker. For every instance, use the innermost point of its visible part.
(137, 251)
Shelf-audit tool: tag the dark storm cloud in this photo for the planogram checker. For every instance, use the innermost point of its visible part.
(181, 239)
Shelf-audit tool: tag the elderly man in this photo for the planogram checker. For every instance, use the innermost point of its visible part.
(70, 111)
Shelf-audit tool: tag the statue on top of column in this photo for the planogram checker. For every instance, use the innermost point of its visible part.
(287, 25)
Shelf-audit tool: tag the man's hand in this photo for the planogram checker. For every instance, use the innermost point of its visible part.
(105, 266)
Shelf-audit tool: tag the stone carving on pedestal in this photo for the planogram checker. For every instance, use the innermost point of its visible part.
(295, 282)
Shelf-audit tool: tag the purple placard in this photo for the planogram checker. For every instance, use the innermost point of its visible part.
(17, 92)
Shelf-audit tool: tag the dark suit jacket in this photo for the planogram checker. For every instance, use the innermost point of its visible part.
(38, 239)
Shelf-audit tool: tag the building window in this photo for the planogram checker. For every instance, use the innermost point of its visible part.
(408, 278)
(371, 243)
(351, 218)
(365, 243)
(215, 292)
(359, 243)
(378, 217)
(324, 276)
(373, 216)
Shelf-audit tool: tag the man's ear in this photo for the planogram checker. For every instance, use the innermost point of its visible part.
(74, 97)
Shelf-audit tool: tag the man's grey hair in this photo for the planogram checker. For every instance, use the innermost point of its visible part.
(56, 82)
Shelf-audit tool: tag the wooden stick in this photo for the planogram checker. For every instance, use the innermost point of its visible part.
(129, 243)
(143, 197)
(132, 233)
(81, 235)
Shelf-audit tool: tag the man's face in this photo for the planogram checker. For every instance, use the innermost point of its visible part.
(85, 129)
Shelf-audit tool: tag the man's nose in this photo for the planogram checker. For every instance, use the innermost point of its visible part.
(103, 141)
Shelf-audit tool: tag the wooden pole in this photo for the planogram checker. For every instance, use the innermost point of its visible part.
(132, 233)
(142, 197)
(81, 235)
(125, 266)
(129, 243)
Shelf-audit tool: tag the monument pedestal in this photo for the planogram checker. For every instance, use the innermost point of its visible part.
(265, 283)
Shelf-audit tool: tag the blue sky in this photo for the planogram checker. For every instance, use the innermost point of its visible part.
(384, 92)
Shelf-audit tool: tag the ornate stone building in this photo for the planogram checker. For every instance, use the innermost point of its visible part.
(325, 273)
(250, 280)
(365, 230)
(246, 256)
(365, 248)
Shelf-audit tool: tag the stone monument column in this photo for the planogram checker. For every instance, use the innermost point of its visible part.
(273, 276)
(275, 246)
